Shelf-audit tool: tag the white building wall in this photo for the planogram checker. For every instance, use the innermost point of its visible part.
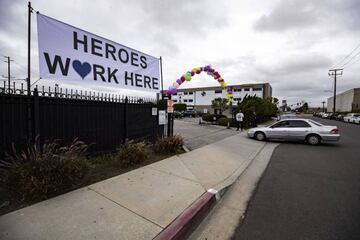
(344, 102)
(199, 98)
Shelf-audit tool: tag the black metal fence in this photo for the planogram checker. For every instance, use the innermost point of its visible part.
(103, 120)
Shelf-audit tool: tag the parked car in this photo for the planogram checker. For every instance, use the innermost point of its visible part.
(178, 114)
(357, 120)
(324, 115)
(350, 117)
(189, 113)
(296, 129)
(287, 116)
(339, 117)
(332, 116)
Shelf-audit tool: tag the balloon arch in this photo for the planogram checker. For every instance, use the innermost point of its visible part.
(210, 71)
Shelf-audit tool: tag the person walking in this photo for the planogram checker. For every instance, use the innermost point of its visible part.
(255, 120)
(239, 120)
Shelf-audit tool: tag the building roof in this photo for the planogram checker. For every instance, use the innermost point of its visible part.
(355, 90)
(219, 88)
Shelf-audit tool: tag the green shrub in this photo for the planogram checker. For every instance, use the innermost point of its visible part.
(223, 121)
(180, 107)
(39, 172)
(132, 153)
(168, 144)
(211, 117)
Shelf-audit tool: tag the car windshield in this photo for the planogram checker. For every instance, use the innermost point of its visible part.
(315, 123)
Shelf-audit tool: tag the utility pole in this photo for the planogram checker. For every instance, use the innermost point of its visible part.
(9, 76)
(323, 102)
(334, 73)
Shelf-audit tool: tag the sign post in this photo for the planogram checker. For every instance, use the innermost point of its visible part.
(170, 106)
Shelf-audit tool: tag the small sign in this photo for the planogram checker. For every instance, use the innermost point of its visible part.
(154, 111)
(162, 117)
(170, 106)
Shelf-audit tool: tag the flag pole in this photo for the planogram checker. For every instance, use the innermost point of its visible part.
(29, 42)
(162, 81)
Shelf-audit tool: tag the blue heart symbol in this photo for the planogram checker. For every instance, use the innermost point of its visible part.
(82, 69)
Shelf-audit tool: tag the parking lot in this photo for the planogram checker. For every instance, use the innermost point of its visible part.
(196, 135)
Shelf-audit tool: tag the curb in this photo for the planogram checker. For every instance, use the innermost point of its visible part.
(184, 225)
(191, 217)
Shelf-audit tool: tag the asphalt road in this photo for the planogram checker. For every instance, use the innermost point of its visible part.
(308, 192)
(196, 136)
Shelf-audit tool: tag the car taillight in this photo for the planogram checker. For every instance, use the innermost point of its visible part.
(335, 131)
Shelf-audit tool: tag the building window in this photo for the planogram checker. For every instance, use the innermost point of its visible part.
(246, 89)
(185, 93)
(174, 100)
(218, 91)
(191, 93)
(190, 100)
(185, 100)
(237, 90)
(257, 89)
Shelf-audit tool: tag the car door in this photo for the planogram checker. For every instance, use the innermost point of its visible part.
(298, 129)
(278, 130)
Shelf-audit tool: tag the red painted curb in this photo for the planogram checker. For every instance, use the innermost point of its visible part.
(188, 220)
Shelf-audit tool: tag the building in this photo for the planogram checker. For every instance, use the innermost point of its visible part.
(200, 98)
(348, 101)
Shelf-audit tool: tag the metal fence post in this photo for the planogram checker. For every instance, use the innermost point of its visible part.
(36, 114)
(126, 106)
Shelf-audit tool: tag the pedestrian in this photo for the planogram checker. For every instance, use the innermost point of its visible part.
(239, 120)
(255, 120)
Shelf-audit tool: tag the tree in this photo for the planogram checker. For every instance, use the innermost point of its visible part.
(256, 108)
(303, 108)
(219, 104)
(180, 107)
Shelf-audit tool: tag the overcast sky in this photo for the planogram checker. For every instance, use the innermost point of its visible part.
(289, 43)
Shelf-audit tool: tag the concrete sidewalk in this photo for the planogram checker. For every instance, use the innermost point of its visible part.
(138, 204)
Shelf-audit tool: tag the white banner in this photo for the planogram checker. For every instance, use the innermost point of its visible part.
(71, 54)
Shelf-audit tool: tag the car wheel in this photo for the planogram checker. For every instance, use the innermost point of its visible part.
(313, 140)
(260, 136)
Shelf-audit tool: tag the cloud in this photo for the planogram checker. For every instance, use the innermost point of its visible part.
(296, 64)
(287, 15)
(320, 15)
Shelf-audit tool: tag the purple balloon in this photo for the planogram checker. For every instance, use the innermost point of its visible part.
(173, 91)
(179, 81)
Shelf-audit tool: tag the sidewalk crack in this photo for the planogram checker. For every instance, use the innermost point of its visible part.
(126, 208)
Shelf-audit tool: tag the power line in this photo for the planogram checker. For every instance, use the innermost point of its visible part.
(350, 60)
(353, 63)
(347, 56)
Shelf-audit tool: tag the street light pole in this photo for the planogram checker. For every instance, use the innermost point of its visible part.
(323, 102)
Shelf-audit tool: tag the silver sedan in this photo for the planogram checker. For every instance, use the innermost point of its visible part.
(296, 129)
